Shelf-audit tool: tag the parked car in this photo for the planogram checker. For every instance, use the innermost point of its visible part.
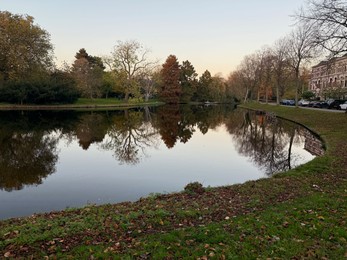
(303, 102)
(320, 104)
(312, 103)
(336, 104)
(291, 102)
(283, 101)
(344, 106)
(288, 102)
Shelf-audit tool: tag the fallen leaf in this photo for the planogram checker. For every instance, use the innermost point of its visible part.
(7, 254)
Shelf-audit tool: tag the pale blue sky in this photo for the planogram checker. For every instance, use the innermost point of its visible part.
(213, 35)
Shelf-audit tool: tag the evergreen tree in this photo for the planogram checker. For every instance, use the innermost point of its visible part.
(203, 91)
(170, 90)
(88, 73)
(188, 81)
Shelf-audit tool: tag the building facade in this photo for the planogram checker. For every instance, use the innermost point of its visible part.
(329, 78)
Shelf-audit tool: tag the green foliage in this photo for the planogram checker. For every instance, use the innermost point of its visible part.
(336, 92)
(24, 47)
(94, 61)
(58, 88)
(194, 187)
(130, 59)
(113, 84)
(203, 92)
(87, 71)
(308, 95)
(188, 81)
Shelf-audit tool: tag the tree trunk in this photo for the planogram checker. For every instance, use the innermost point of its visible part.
(148, 117)
(126, 98)
(290, 149)
(246, 96)
(258, 96)
(297, 84)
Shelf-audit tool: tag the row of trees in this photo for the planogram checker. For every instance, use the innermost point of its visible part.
(280, 70)
(28, 73)
(274, 72)
(181, 85)
(131, 74)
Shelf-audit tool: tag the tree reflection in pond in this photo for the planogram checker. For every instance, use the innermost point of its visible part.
(28, 140)
(266, 140)
(26, 159)
(91, 128)
(168, 120)
(128, 135)
(27, 153)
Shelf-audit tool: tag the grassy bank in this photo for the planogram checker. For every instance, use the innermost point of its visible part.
(84, 103)
(299, 214)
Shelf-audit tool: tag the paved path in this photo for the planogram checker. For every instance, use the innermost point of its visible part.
(312, 108)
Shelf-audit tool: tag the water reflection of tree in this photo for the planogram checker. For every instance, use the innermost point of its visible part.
(28, 151)
(265, 139)
(28, 140)
(168, 118)
(128, 135)
(91, 128)
(178, 123)
(26, 158)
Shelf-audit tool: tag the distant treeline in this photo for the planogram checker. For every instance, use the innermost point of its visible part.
(28, 74)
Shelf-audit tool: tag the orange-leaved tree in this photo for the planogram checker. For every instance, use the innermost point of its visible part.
(170, 90)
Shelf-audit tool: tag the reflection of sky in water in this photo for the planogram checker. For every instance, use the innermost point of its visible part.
(95, 176)
(300, 155)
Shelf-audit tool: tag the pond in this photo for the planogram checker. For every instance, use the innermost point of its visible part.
(53, 160)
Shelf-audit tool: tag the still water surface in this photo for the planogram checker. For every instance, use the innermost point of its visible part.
(51, 160)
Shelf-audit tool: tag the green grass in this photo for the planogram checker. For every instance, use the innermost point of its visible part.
(111, 101)
(98, 101)
(312, 226)
(86, 102)
(295, 215)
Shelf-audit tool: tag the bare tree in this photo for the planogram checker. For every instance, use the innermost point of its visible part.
(150, 80)
(250, 72)
(130, 57)
(300, 50)
(128, 136)
(234, 85)
(266, 73)
(280, 66)
(329, 20)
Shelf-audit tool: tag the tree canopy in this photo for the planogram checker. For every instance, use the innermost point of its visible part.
(170, 90)
(25, 47)
(88, 73)
(130, 58)
(328, 19)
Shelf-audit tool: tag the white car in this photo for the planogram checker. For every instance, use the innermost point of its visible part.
(344, 106)
(303, 102)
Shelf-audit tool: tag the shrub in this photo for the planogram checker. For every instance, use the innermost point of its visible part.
(194, 187)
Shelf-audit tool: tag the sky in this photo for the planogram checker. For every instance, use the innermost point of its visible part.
(212, 35)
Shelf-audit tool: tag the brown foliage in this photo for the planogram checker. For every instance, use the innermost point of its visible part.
(170, 90)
